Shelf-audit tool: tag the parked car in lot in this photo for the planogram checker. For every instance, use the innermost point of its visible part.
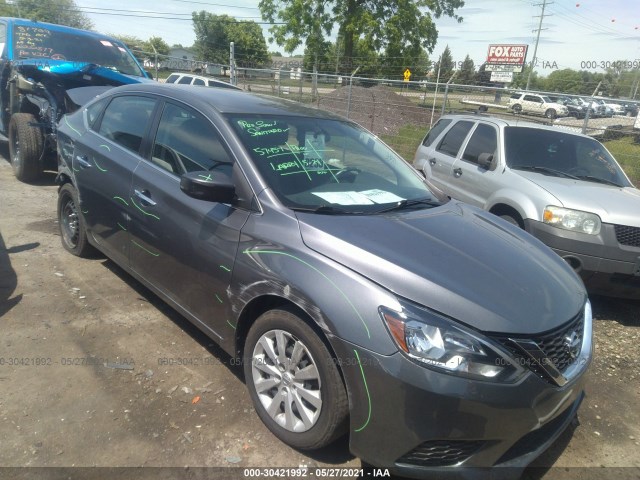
(535, 104)
(45, 70)
(614, 107)
(575, 108)
(564, 188)
(596, 109)
(191, 79)
(359, 302)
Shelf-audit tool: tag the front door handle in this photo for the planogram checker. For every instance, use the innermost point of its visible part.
(457, 172)
(432, 161)
(145, 196)
(83, 161)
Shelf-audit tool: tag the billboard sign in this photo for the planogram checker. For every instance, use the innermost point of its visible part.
(507, 54)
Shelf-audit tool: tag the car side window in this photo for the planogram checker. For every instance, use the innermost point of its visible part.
(454, 138)
(198, 81)
(186, 142)
(532, 98)
(172, 78)
(93, 112)
(125, 120)
(435, 131)
(185, 80)
(483, 140)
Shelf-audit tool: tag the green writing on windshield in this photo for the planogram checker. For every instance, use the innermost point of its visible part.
(261, 128)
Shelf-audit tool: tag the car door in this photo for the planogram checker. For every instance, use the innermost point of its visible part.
(182, 246)
(473, 183)
(445, 155)
(103, 163)
(532, 104)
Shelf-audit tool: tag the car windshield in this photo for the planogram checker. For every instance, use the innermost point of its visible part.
(562, 154)
(546, 100)
(329, 166)
(42, 43)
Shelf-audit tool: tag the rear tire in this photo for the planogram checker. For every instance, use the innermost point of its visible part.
(293, 381)
(71, 223)
(517, 109)
(25, 147)
(550, 114)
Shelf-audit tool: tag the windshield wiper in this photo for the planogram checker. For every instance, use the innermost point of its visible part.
(327, 210)
(590, 178)
(402, 204)
(550, 171)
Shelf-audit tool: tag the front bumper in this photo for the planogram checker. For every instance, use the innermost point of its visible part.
(417, 422)
(606, 266)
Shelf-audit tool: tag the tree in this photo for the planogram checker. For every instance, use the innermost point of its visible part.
(445, 65)
(381, 23)
(215, 32)
(467, 74)
(61, 12)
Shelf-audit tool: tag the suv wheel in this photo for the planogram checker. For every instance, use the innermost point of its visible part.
(551, 113)
(25, 146)
(293, 381)
(517, 108)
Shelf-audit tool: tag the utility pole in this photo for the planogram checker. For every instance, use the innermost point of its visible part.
(535, 49)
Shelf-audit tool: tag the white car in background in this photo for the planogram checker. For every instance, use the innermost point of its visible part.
(535, 104)
(191, 79)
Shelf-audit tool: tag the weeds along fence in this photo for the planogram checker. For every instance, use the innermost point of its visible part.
(401, 113)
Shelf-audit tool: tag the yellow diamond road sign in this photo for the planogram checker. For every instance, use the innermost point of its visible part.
(407, 75)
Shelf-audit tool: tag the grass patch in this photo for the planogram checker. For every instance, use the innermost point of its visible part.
(407, 141)
(627, 153)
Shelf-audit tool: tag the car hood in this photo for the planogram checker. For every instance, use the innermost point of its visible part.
(456, 259)
(616, 205)
(67, 68)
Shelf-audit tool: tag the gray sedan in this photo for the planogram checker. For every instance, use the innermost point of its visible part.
(436, 336)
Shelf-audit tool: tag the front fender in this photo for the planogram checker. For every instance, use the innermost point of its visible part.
(526, 206)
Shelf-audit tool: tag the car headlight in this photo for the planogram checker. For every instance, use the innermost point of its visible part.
(438, 343)
(574, 220)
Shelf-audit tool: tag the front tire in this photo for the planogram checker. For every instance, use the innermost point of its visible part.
(25, 147)
(517, 109)
(293, 381)
(550, 114)
(71, 223)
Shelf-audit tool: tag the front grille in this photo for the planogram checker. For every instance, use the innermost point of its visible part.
(441, 453)
(555, 344)
(627, 235)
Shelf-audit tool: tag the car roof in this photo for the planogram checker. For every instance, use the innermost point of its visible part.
(510, 122)
(205, 78)
(227, 101)
(58, 28)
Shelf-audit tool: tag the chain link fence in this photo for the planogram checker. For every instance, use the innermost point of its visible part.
(402, 112)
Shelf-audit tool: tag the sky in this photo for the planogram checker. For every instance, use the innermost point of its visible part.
(583, 35)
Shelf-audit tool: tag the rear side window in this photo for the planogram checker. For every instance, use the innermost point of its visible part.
(454, 138)
(185, 80)
(435, 131)
(172, 78)
(198, 81)
(532, 98)
(483, 140)
(125, 120)
(94, 111)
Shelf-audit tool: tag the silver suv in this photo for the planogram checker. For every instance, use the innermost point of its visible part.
(564, 188)
(537, 105)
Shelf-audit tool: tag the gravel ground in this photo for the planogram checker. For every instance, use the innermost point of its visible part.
(124, 407)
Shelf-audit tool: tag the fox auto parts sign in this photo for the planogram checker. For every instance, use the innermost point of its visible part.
(512, 55)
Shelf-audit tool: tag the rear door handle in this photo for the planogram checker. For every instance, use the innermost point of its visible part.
(432, 161)
(457, 172)
(83, 161)
(145, 196)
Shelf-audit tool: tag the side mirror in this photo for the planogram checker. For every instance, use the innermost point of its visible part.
(485, 160)
(209, 186)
